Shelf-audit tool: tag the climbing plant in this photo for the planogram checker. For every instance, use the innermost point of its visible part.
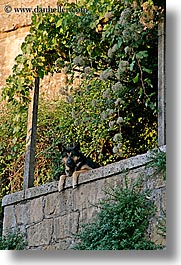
(112, 47)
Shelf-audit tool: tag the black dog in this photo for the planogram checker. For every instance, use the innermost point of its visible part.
(75, 163)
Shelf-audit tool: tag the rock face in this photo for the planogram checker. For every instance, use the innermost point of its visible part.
(50, 219)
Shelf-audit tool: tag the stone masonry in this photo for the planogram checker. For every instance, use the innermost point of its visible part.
(14, 27)
(51, 219)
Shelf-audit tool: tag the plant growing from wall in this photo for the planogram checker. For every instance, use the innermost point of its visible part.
(13, 241)
(158, 162)
(121, 222)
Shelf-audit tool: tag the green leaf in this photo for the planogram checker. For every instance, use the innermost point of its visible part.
(132, 64)
(40, 73)
(142, 54)
(148, 81)
(20, 59)
(149, 71)
(136, 78)
(140, 92)
(9, 157)
(59, 23)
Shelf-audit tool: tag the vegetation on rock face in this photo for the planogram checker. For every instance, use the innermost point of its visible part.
(121, 222)
(158, 162)
(112, 48)
(13, 241)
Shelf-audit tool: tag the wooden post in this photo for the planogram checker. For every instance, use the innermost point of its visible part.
(161, 85)
(29, 164)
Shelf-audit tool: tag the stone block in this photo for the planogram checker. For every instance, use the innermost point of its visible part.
(40, 234)
(13, 198)
(41, 190)
(61, 227)
(9, 220)
(64, 202)
(60, 245)
(91, 175)
(35, 210)
(50, 204)
(56, 204)
(156, 237)
(163, 199)
(66, 225)
(87, 215)
(21, 211)
(84, 195)
(74, 222)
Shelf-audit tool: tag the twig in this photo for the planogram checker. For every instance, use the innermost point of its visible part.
(141, 72)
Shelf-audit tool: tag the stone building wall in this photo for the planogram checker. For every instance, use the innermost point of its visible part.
(14, 26)
(50, 219)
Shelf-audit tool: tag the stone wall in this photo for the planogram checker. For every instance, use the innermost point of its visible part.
(14, 26)
(13, 29)
(51, 219)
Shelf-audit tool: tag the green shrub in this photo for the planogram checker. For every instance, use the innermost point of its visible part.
(158, 162)
(121, 223)
(13, 241)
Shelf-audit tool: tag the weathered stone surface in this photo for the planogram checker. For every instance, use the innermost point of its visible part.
(14, 27)
(153, 180)
(57, 204)
(61, 227)
(61, 204)
(13, 20)
(87, 215)
(21, 211)
(41, 190)
(74, 222)
(83, 196)
(35, 210)
(10, 47)
(61, 245)
(50, 204)
(66, 225)
(13, 198)
(41, 233)
(51, 219)
(9, 220)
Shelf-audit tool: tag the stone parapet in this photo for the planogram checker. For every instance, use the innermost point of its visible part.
(51, 219)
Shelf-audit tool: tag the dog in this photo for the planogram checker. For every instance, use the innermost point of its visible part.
(75, 163)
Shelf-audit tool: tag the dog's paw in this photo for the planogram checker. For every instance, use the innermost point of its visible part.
(60, 187)
(74, 185)
(61, 182)
(75, 179)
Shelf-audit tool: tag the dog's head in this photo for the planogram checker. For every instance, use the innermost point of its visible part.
(70, 157)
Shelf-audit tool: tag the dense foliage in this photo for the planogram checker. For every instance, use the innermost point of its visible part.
(13, 241)
(112, 47)
(158, 162)
(121, 223)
